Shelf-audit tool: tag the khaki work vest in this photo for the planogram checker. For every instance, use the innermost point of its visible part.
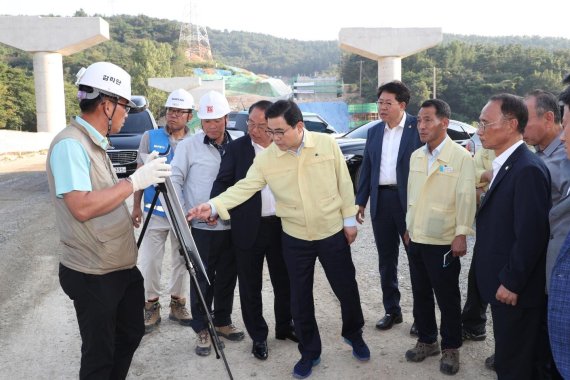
(102, 244)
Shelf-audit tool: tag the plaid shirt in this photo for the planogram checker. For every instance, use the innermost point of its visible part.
(559, 310)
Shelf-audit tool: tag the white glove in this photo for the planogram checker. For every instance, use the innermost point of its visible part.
(155, 170)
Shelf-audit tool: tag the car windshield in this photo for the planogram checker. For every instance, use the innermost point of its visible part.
(360, 132)
(316, 126)
(137, 123)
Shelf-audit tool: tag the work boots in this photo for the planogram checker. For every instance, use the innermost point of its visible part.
(422, 351)
(178, 311)
(203, 343)
(449, 362)
(230, 332)
(151, 315)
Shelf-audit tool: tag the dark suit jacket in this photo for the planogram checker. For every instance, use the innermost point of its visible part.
(370, 168)
(512, 230)
(245, 218)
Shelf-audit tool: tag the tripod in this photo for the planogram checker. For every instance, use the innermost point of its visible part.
(189, 252)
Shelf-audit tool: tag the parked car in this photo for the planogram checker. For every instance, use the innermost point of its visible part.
(352, 143)
(313, 122)
(125, 144)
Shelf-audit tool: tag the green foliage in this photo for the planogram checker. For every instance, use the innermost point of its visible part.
(150, 60)
(467, 74)
(469, 69)
(17, 99)
(273, 56)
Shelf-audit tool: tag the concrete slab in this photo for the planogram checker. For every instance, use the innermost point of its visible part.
(375, 43)
(64, 35)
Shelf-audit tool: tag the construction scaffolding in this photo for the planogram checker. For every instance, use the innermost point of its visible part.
(362, 113)
(317, 89)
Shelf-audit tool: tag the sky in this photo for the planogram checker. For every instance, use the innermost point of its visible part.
(322, 20)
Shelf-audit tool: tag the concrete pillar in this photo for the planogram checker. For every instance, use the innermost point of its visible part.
(50, 106)
(389, 68)
(388, 46)
(50, 38)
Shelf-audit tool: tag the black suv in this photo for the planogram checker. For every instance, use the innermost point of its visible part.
(125, 144)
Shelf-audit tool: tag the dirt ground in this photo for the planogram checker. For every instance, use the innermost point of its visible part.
(39, 337)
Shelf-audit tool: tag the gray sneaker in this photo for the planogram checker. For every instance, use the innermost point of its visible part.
(151, 315)
(449, 362)
(203, 343)
(422, 351)
(179, 312)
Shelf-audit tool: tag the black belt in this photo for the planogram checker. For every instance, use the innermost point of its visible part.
(269, 218)
(388, 187)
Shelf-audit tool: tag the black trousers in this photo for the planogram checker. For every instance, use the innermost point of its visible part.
(217, 254)
(389, 226)
(516, 330)
(111, 322)
(334, 254)
(250, 275)
(429, 277)
(474, 314)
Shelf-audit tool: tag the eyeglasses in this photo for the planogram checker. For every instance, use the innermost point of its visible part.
(382, 103)
(252, 125)
(177, 112)
(447, 259)
(483, 125)
(279, 133)
(125, 106)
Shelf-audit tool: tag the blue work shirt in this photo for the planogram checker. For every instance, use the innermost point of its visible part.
(559, 310)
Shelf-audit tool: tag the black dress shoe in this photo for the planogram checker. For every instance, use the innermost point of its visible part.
(388, 321)
(414, 329)
(259, 350)
(289, 334)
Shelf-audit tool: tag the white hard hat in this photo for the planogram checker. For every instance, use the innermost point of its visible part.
(105, 78)
(213, 105)
(181, 99)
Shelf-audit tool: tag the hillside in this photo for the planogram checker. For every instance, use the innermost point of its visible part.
(468, 68)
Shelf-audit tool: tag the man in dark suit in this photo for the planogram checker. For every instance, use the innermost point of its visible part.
(512, 236)
(384, 178)
(256, 233)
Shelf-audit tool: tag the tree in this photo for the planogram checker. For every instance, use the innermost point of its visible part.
(150, 59)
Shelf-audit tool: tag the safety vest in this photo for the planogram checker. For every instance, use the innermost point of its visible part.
(157, 140)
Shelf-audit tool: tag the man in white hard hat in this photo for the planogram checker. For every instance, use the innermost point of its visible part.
(99, 254)
(179, 107)
(194, 169)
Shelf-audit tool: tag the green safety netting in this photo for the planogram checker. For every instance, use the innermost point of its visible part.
(240, 81)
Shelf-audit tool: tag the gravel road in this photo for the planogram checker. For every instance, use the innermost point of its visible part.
(39, 337)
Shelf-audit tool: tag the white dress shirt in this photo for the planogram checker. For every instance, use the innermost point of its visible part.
(432, 156)
(502, 158)
(267, 198)
(390, 148)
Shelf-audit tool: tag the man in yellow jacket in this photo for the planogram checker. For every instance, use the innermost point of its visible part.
(441, 210)
(314, 198)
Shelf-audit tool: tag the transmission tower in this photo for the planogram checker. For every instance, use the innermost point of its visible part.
(194, 37)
